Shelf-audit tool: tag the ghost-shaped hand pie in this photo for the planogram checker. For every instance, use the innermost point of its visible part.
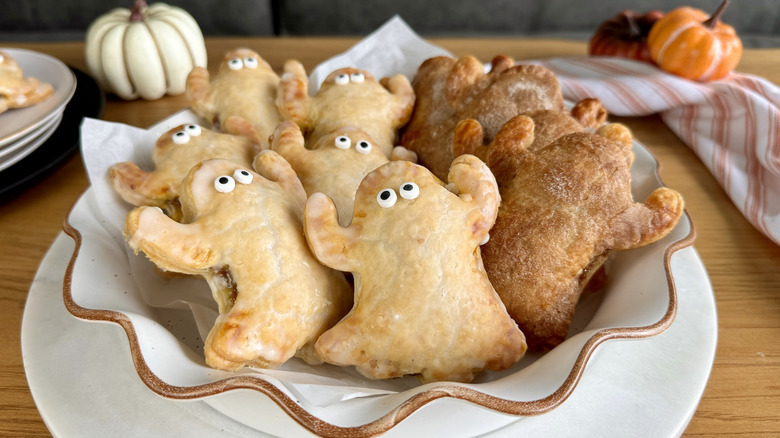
(564, 208)
(347, 97)
(423, 303)
(450, 90)
(245, 86)
(242, 232)
(16, 90)
(336, 163)
(175, 153)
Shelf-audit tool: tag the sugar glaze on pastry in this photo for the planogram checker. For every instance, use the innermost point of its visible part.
(242, 232)
(423, 302)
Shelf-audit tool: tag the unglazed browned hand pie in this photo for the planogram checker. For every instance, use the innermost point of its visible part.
(347, 97)
(245, 86)
(336, 163)
(242, 232)
(564, 208)
(449, 90)
(175, 153)
(17, 91)
(423, 303)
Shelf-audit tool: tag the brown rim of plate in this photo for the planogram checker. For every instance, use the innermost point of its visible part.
(404, 409)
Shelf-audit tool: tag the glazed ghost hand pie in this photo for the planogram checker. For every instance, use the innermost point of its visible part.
(449, 90)
(242, 232)
(347, 97)
(423, 303)
(175, 153)
(16, 90)
(564, 208)
(335, 164)
(245, 86)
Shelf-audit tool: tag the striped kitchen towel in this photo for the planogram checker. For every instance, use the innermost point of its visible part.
(732, 124)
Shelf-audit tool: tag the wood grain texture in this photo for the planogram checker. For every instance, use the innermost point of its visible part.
(743, 393)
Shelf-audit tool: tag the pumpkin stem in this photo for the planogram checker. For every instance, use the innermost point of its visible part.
(137, 12)
(715, 17)
(633, 28)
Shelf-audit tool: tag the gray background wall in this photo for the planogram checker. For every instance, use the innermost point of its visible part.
(757, 21)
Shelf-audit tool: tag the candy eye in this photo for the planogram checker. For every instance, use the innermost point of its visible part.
(357, 77)
(224, 184)
(343, 142)
(181, 137)
(386, 198)
(235, 64)
(342, 79)
(242, 176)
(250, 62)
(409, 190)
(363, 147)
(193, 130)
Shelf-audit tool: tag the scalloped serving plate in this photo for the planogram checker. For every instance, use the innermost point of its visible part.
(105, 282)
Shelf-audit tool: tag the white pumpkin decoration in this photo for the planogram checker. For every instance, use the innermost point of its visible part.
(146, 51)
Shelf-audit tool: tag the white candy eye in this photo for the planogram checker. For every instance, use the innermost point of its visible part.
(250, 62)
(363, 147)
(181, 137)
(224, 184)
(342, 79)
(357, 77)
(193, 130)
(235, 64)
(409, 190)
(386, 198)
(343, 142)
(242, 176)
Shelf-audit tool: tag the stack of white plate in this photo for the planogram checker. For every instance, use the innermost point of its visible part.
(22, 130)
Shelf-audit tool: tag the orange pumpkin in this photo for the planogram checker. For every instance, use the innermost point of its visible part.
(689, 43)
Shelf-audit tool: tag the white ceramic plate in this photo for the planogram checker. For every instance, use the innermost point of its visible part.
(82, 377)
(11, 154)
(107, 283)
(15, 123)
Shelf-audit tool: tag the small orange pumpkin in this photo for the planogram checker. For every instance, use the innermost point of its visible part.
(689, 43)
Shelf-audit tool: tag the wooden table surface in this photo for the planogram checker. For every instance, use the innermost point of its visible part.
(742, 396)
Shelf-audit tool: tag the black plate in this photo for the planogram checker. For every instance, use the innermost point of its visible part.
(87, 101)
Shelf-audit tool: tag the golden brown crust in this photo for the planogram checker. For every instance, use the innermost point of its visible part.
(347, 97)
(565, 208)
(16, 90)
(450, 90)
(423, 304)
(274, 298)
(247, 90)
(175, 153)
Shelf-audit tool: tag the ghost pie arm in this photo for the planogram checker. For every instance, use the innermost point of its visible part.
(274, 167)
(329, 241)
(477, 186)
(240, 126)
(129, 181)
(288, 142)
(644, 223)
(172, 246)
(464, 75)
(403, 98)
(469, 138)
(293, 100)
(198, 91)
(509, 147)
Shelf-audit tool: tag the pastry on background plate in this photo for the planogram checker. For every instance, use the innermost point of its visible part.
(335, 164)
(565, 208)
(242, 232)
(245, 86)
(16, 90)
(347, 97)
(174, 154)
(423, 302)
